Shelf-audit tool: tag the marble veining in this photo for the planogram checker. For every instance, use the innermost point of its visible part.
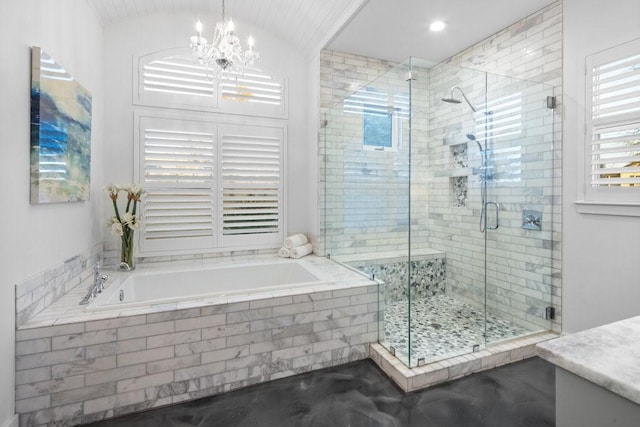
(606, 355)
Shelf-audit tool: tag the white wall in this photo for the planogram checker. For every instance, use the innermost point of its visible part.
(36, 237)
(601, 254)
(141, 36)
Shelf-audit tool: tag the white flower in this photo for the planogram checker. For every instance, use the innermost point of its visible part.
(127, 218)
(135, 223)
(125, 187)
(116, 228)
(111, 190)
(136, 189)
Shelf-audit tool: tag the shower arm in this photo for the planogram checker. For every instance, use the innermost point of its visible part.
(463, 96)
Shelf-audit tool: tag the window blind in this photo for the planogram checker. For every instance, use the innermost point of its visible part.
(210, 186)
(613, 121)
(174, 78)
(178, 75)
(255, 87)
(179, 169)
(251, 180)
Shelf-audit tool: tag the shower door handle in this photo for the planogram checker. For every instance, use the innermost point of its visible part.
(497, 216)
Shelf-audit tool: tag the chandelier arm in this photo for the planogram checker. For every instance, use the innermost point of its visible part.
(225, 52)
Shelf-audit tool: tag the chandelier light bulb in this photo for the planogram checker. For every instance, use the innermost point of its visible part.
(224, 54)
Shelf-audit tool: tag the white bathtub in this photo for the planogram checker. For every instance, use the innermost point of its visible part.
(164, 286)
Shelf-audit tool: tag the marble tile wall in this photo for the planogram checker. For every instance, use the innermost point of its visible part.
(523, 267)
(39, 291)
(81, 372)
(365, 207)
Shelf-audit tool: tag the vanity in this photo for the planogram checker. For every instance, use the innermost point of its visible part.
(597, 375)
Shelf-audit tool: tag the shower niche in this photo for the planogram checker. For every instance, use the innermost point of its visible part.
(458, 181)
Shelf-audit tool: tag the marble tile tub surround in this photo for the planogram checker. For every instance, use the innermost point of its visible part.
(73, 366)
(606, 355)
(39, 291)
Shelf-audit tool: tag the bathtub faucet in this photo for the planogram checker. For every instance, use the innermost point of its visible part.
(98, 279)
(97, 286)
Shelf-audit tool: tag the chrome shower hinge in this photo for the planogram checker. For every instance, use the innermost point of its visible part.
(551, 102)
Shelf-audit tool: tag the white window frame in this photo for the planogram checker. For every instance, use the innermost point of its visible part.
(217, 124)
(605, 200)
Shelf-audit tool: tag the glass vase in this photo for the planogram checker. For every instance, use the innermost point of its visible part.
(126, 252)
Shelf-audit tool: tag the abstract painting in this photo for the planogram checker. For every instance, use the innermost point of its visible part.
(60, 133)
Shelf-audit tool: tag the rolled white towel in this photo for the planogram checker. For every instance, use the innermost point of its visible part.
(295, 241)
(284, 253)
(300, 251)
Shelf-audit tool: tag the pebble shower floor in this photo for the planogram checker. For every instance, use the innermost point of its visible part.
(442, 326)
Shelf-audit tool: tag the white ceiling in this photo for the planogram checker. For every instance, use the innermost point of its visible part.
(397, 29)
(306, 24)
(386, 29)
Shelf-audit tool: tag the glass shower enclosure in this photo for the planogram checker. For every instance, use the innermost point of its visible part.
(438, 183)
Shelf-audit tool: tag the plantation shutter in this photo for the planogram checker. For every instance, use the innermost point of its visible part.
(251, 184)
(173, 78)
(179, 173)
(252, 87)
(613, 119)
(210, 186)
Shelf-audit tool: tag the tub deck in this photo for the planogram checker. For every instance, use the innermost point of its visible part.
(67, 310)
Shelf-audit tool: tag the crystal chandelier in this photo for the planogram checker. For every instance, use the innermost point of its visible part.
(224, 54)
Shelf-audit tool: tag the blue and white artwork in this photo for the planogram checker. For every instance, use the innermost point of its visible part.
(60, 133)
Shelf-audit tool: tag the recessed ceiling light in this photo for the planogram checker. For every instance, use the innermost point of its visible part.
(437, 26)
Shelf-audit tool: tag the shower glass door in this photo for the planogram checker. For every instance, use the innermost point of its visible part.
(519, 208)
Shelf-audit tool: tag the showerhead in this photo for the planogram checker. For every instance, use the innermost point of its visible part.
(472, 137)
(453, 100)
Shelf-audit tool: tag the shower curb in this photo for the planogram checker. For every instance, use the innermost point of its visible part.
(412, 379)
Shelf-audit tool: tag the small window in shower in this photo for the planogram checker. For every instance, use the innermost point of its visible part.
(384, 113)
(377, 129)
(381, 131)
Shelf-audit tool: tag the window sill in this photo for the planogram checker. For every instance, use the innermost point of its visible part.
(608, 208)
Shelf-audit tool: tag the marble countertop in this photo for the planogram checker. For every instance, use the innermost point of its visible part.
(608, 356)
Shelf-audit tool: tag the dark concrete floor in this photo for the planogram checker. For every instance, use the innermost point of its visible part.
(359, 395)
